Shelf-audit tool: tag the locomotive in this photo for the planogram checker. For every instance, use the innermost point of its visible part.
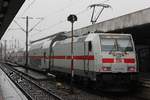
(103, 58)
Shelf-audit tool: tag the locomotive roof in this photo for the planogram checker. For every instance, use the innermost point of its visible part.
(36, 45)
(107, 33)
(49, 37)
(39, 43)
(69, 35)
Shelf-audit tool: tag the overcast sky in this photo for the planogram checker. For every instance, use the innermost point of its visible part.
(55, 13)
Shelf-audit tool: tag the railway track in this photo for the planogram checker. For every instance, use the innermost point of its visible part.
(144, 89)
(32, 90)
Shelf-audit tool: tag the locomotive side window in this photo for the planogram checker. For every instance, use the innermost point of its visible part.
(90, 46)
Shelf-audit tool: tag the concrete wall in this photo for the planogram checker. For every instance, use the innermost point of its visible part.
(138, 18)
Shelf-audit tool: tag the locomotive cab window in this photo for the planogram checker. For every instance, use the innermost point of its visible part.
(123, 44)
(90, 46)
(108, 44)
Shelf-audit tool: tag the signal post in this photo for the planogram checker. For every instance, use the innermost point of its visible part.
(72, 18)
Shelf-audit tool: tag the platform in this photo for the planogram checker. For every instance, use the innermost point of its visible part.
(144, 76)
(32, 74)
(8, 90)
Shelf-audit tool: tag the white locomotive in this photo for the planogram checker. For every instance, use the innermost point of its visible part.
(100, 57)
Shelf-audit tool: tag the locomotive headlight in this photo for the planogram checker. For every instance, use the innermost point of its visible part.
(131, 69)
(104, 68)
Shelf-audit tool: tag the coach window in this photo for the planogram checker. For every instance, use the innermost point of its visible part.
(90, 46)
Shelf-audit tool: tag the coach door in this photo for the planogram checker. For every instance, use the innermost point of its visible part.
(93, 52)
(51, 55)
(87, 50)
(45, 54)
(45, 60)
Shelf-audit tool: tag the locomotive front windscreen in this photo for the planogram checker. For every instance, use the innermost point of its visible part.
(116, 43)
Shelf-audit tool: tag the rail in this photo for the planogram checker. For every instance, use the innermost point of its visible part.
(32, 90)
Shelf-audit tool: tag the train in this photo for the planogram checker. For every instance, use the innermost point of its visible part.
(105, 59)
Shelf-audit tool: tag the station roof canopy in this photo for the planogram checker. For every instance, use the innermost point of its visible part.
(8, 10)
(136, 22)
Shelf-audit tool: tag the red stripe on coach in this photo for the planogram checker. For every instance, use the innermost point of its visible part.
(90, 57)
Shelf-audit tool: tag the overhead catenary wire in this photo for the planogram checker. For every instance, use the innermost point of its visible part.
(81, 12)
(62, 21)
(58, 23)
(28, 7)
(32, 27)
(63, 9)
(60, 10)
(14, 29)
(35, 25)
(52, 26)
(19, 26)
